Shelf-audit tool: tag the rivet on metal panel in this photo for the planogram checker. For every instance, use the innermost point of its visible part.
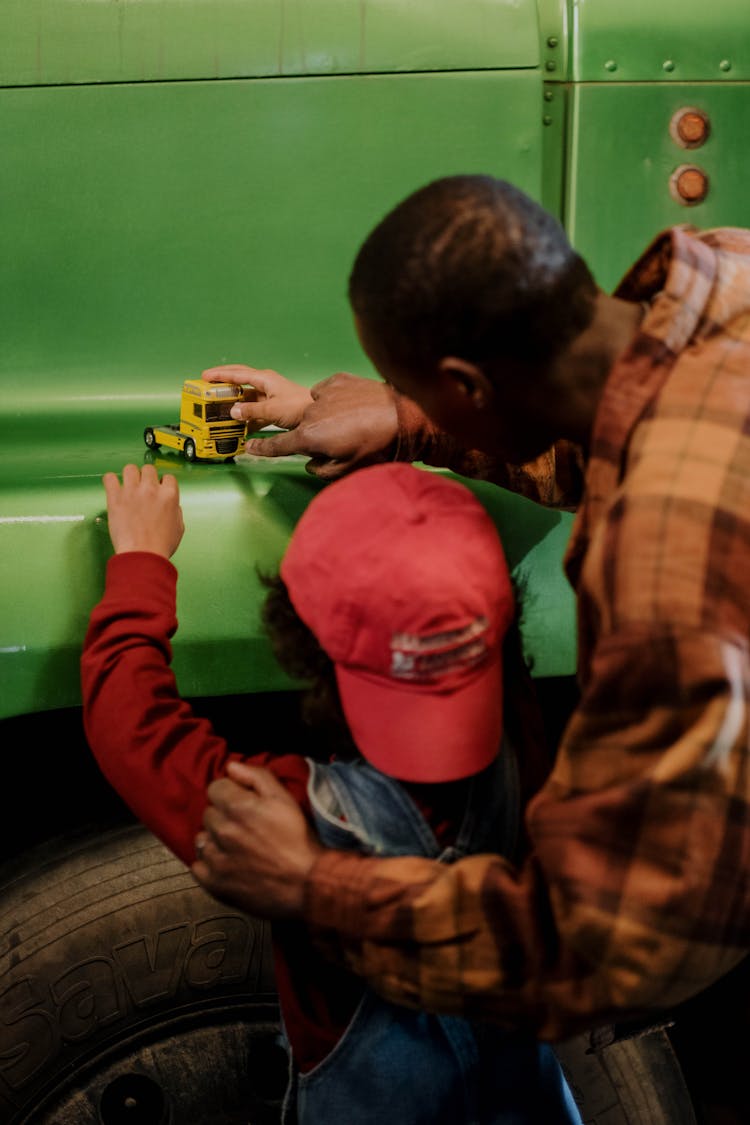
(551, 40)
(546, 120)
(610, 65)
(688, 185)
(548, 95)
(689, 127)
(550, 64)
(667, 65)
(725, 65)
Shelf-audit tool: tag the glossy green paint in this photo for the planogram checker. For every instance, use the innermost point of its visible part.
(79, 41)
(151, 230)
(235, 519)
(186, 182)
(671, 41)
(238, 518)
(555, 24)
(555, 103)
(621, 156)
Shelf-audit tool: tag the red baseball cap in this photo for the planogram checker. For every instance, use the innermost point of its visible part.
(400, 574)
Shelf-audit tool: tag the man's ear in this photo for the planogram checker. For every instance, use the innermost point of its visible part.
(466, 382)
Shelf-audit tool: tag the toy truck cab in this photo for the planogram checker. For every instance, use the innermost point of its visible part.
(206, 429)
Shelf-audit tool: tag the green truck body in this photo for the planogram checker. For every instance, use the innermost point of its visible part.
(185, 183)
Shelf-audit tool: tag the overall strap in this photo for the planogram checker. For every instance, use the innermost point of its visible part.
(357, 808)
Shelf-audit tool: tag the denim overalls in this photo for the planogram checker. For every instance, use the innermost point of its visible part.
(395, 1066)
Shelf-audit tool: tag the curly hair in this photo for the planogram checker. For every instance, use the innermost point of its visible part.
(298, 652)
(471, 266)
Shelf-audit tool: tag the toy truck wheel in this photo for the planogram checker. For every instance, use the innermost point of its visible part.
(150, 438)
(189, 450)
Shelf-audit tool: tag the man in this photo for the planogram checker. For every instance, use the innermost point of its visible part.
(634, 894)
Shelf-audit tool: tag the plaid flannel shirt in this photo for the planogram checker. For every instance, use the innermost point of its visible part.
(635, 893)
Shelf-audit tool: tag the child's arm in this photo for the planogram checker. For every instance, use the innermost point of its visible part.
(157, 754)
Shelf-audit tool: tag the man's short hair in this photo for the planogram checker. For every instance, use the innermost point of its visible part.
(470, 266)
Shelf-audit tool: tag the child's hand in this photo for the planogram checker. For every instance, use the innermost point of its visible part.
(144, 512)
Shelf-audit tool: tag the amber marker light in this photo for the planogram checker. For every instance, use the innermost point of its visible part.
(689, 128)
(688, 185)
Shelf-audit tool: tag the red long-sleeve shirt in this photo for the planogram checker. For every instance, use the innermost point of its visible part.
(160, 757)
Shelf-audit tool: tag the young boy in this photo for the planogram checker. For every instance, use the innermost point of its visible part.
(393, 602)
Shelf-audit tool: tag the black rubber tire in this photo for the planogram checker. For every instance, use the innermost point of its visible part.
(128, 994)
(188, 450)
(150, 438)
(630, 1081)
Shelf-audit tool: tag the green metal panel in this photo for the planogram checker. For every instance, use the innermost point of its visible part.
(534, 539)
(238, 517)
(57, 525)
(59, 41)
(556, 99)
(621, 156)
(151, 230)
(555, 21)
(672, 40)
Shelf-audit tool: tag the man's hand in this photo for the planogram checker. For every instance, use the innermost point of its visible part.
(344, 423)
(257, 848)
(144, 513)
(350, 422)
(273, 400)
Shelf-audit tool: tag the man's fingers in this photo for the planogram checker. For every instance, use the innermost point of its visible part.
(221, 793)
(256, 778)
(201, 840)
(265, 379)
(228, 373)
(261, 378)
(234, 802)
(338, 378)
(259, 412)
(204, 867)
(228, 831)
(207, 850)
(215, 817)
(276, 445)
(326, 468)
(242, 784)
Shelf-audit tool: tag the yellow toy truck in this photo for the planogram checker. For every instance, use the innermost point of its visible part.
(206, 430)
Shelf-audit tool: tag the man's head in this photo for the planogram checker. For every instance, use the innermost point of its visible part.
(400, 575)
(470, 283)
